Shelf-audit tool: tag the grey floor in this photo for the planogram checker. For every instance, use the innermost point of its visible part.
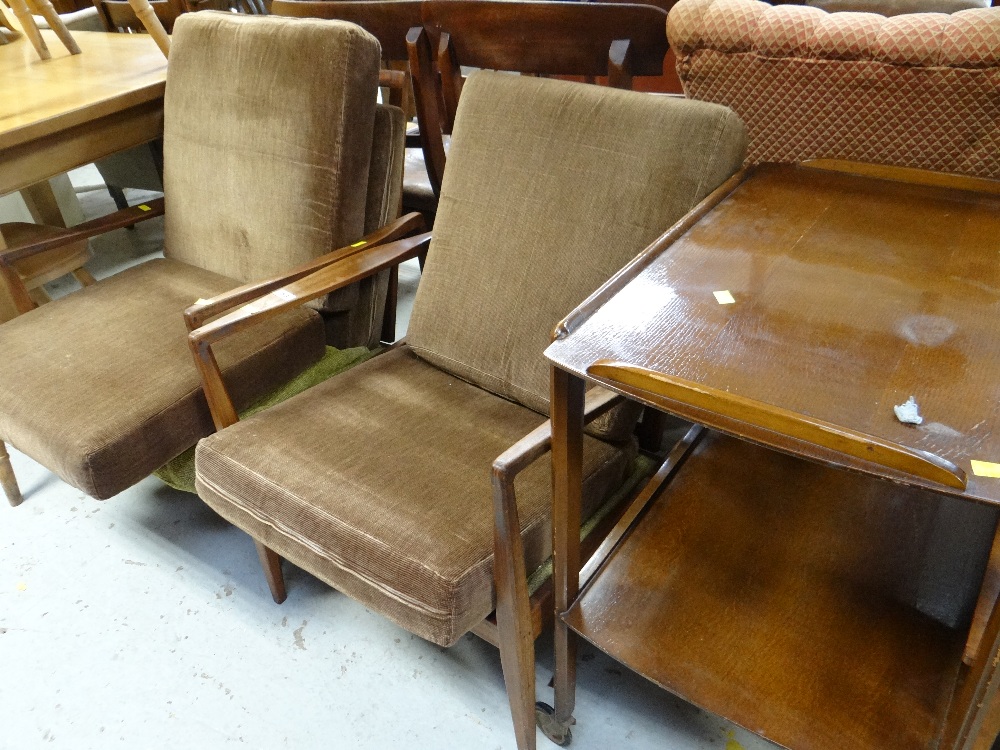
(144, 622)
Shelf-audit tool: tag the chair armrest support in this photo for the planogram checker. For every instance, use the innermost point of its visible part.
(119, 219)
(536, 443)
(17, 288)
(513, 606)
(361, 264)
(196, 315)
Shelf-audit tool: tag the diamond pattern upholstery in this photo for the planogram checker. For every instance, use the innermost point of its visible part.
(918, 90)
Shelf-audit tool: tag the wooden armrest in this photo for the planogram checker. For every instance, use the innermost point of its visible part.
(124, 218)
(196, 315)
(777, 423)
(360, 265)
(536, 443)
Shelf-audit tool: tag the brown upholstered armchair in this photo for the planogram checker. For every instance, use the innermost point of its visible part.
(918, 90)
(379, 480)
(266, 169)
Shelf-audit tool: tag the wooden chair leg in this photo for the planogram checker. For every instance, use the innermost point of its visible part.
(84, 276)
(514, 625)
(271, 562)
(7, 479)
(39, 296)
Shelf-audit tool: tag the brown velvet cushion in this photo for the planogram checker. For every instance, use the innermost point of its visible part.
(268, 128)
(378, 481)
(537, 214)
(103, 389)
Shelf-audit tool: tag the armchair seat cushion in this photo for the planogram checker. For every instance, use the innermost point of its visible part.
(378, 481)
(83, 432)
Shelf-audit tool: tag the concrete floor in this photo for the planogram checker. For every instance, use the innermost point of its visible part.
(144, 622)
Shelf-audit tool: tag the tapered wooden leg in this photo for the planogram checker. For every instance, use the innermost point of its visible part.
(84, 276)
(39, 296)
(271, 562)
(20, 8)
(514, 626)
(7, 479)
(567, 480)
(46, 11)
(147, 15)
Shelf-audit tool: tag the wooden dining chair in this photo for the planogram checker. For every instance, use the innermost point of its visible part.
(97, 386)
(119, 16)
(616, 41)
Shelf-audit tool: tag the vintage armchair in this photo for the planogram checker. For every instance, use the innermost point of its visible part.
(919, 91)
(98, 386)
(378, 481)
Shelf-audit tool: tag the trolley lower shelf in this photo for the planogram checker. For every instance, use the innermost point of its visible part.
(782, 595)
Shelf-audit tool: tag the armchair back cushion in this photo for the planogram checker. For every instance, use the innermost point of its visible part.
(567, 201)
(290, 178)
(919, 90)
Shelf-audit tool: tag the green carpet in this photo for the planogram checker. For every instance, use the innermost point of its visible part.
(179, 473)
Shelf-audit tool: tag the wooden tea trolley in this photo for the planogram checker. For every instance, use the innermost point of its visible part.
(771, 571)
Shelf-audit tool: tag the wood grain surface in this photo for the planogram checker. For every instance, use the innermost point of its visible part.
(740, 591)
(852, 293)
(60, 113)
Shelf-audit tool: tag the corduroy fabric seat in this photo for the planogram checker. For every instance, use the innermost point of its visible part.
(404, 524)
(379, 480)
(102, 428)
(265, 168)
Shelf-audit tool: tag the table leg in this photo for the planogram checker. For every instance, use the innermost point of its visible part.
(567, 479)
(42, 204)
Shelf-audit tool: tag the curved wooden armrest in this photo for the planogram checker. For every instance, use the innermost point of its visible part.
(536, 443)
(360, 265)
(196, 315)
(777, 421)
(124, 218)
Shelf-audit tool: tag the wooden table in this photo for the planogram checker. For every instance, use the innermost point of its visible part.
(59, 114)
(775, 579)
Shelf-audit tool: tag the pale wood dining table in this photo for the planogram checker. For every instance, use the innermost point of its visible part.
(62, 113)
(59, 114)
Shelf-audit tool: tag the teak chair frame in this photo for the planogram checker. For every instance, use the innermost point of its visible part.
(519, 617)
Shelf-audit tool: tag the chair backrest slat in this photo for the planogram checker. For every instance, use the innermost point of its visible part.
(549, 38)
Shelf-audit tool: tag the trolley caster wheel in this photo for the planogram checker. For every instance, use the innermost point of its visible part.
(545, 718)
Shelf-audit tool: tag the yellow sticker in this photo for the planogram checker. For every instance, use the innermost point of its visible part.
(201, 301)
(143, 207)
(359, 244)
(985, 469)
(724, 297)
(22, 586)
